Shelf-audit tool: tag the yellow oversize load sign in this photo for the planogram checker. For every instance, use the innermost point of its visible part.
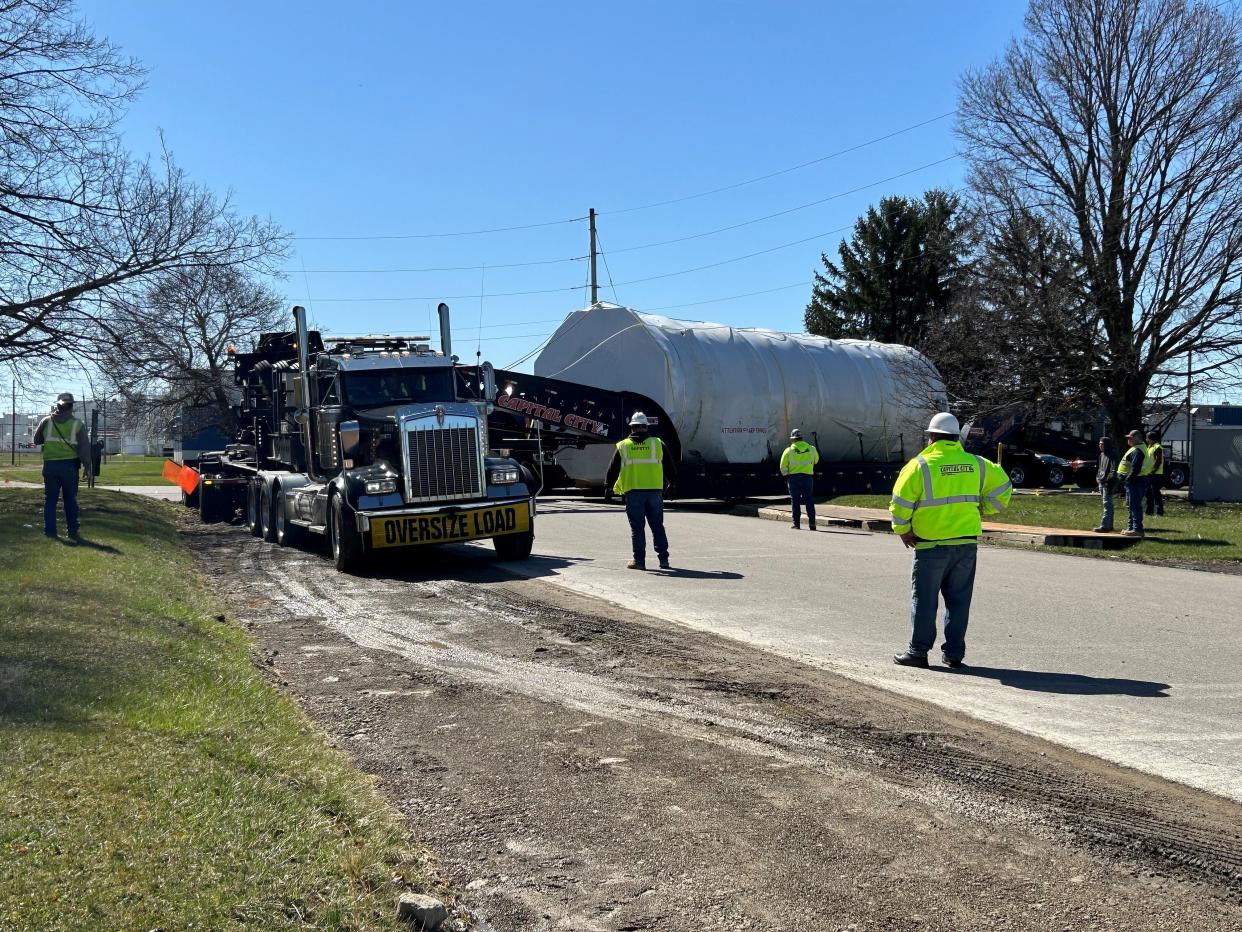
(440, 528)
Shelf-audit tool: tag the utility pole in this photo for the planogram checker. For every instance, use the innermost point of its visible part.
(13, 439)
(1189, 424)
(594, 276)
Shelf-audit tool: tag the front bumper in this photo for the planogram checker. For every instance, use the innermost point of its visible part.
(455, 523)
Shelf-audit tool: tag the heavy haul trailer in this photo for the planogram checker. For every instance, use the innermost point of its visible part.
(364, 441)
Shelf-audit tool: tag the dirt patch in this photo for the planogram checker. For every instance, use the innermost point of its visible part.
(578, 767)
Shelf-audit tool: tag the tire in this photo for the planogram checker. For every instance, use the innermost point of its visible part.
(1017, 476)
(1056, 477)
(190, 500)
(514, 546)
(267, 522)
(287, 533)
(252, 508)
(207, 507)
(344, 540)
(1177, 477)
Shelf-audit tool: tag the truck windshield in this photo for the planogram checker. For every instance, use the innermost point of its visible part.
(383, 387)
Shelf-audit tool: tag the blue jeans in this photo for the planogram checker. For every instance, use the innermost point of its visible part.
(802, 492)
(60, 477)
(947, 571)
(643, 507)
(1136, 488)
(1106, 494)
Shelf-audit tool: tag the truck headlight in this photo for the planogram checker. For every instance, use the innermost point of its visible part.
(506, 476)
(381, 486)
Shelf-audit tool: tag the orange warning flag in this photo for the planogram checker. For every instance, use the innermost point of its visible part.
(183, 476)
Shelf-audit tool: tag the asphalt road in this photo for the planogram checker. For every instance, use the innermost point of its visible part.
(1138, 665)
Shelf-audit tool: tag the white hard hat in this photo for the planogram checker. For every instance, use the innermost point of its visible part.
(795, 434)
(944, 423)
(639, 419)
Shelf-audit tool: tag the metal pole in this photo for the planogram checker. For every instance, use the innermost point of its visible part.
(13, 439)
(594, 276)
(1189, 428)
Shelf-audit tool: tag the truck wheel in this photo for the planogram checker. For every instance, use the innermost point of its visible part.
(190, 500)
(1056, 477)
(1017, 476)
(252, 509)
(344, 539)
(266, 523)
(206, 503)
(514, 546)
(287, 533)
(1177, 477)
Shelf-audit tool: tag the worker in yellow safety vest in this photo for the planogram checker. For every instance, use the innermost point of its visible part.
(640, 473)
(1135, 466)
(937, 506)
(798, 467)
(1155, 479)
(66, 447)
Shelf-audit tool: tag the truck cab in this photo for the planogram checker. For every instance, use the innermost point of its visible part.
(366, 442)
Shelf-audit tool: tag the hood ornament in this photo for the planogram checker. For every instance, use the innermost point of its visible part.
(439, 409)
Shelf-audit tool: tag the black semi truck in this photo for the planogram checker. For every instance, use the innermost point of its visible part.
(365, 442)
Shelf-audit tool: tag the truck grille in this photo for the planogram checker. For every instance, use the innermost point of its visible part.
(444, 463)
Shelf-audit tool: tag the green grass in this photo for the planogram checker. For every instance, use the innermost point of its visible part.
(149, 776)
(1200, 534)
(116, 470)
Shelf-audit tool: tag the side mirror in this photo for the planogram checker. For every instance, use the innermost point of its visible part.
(351, 438)
(489, 383)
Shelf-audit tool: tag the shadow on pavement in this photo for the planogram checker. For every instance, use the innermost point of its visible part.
(697, 574)
(1070, 684)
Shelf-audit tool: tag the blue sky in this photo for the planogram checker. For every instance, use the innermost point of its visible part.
(398, 119)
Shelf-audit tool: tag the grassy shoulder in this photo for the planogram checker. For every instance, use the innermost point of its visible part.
(1199, 534)
(150, 777)
(116, 470)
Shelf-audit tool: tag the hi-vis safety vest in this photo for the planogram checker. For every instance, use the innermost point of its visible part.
(60, 441)
(943, 492)
(1149, 461)
(799, 459)
(642, 465)
(1158, 467)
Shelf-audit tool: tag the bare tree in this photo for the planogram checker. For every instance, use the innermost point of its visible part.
(1120, 122)
(173, 341)
(82, 224)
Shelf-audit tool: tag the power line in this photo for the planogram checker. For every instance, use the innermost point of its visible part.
(450, 297)
(445, 268)
(734, 297)
(783, 171)
(524, 226)
(790, 210)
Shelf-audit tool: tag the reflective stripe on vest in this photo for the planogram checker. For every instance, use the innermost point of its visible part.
(942, 516)
(60, 441)
(641, 465)
(801, 462)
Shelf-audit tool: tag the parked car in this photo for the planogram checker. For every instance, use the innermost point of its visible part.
(1082, 473)
(1027, 469)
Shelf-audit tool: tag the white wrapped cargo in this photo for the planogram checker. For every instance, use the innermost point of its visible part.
(734, 394)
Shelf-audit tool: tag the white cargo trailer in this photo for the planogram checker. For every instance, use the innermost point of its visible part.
(733, 394)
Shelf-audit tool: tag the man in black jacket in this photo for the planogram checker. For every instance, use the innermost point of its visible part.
(1106, 479)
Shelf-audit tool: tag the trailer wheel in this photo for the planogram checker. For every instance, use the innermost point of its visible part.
(514, 546)
(1177, 477)
(266, 523)
(287, 533)
(345, 540)
(252, 508)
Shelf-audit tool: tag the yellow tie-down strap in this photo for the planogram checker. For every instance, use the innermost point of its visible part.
(445, 527)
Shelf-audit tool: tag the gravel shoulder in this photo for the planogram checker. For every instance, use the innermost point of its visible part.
(577, 766)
